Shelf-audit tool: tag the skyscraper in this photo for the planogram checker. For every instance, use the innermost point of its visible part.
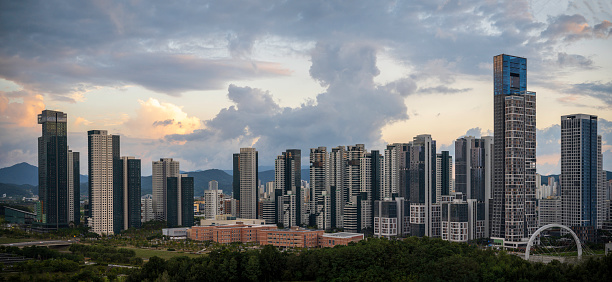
(473, 171)
(514, 203)
(74, 187)
(104, 192)
(179, 201)
(424, 216)
(336, 186)
(395, 172)
(444, 175)
(288, 178)
(213, 200)
(236, 177)
(162, 169)
(130, 173)
(371, 185)
(53, 169)
(318, 182)
(353, 208)
(582, 191)
(249, 194)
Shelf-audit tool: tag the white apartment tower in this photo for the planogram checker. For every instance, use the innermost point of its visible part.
(248, 183)
(103, 151)
(213, 198)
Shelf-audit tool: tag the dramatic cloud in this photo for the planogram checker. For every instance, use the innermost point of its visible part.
(352, 110)
(63, 51)
(70, 47)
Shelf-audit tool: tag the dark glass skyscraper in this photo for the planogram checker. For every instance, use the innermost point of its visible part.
(180, 201)
(422, 179)
(53, 169)
(129, 173)
(582, 191)
(514, 218)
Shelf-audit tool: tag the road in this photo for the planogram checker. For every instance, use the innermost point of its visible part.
(41, 243)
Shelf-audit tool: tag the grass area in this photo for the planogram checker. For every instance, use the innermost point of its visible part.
(147, 253)
(4, 240)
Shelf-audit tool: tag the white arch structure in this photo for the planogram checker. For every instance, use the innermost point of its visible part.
(535, 234)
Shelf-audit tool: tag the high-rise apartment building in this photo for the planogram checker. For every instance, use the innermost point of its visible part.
(396, 171)
(514, 202)
(53, 170)
(391, 218)
(318, 182)
(582, 190)
(424, 215)
(336, 186)
(462, 220)
(179, 201)
(444, 175)
(146, 208)
(288, 181)
(104, 192)
(474, 171)
(371, 168)
(353, 194)
(129, 186)
(162, 169)
(213, 200)
(74, 187)
(236, 177)
(549, 211)
(247, 164)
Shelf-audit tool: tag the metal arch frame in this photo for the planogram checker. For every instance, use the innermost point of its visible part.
(530, 243)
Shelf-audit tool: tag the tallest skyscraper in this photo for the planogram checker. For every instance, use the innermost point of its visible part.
(514, 155)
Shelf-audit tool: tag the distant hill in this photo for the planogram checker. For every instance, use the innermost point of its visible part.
(21, 173)
(24, 178)
(17, 191)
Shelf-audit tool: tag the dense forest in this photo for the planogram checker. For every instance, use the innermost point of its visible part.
(419, 259)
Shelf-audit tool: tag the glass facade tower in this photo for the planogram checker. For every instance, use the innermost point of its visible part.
(53, 169)
(514, 205)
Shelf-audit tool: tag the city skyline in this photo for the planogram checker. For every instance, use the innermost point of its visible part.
(197, 83)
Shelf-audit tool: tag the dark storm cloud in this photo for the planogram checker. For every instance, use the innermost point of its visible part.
(350, 111)
(62, 47)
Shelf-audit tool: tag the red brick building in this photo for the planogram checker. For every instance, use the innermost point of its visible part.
(271, 235)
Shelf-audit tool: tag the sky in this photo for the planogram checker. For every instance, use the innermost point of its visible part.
(197, 80)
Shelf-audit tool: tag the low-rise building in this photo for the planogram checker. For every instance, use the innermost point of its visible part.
(294, 237)
(175, 233)
(340, 238)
